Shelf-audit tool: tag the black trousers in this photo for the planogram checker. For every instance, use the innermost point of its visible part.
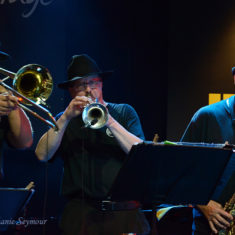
(81, 218)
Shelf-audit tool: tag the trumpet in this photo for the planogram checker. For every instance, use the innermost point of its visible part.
(32, 84)
(95, 115)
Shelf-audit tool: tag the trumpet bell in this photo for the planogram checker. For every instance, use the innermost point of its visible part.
(95, 116)
(34, 82)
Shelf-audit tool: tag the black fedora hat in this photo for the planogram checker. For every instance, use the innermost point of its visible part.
(82, 66)
(3, 55)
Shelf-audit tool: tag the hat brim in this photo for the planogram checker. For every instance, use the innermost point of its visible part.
(3, 55)
(67, 84)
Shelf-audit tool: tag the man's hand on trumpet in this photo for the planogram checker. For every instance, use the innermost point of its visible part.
(76, 106)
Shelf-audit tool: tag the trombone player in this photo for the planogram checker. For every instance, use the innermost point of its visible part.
(93, 157)
(15, 126)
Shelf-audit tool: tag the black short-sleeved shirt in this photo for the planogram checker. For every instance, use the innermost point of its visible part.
(92, 158)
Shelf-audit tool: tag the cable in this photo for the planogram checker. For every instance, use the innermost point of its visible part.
(45, 189)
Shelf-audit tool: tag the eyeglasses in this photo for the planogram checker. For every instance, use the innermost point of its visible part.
(83, 85)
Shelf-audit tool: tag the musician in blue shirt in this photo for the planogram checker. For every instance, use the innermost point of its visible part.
(214, 123)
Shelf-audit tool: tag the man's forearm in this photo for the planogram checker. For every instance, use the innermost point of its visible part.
(50, 141)
(20, 133)
(124, 137)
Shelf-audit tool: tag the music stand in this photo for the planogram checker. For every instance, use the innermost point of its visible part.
(12, 202)
(154, 174)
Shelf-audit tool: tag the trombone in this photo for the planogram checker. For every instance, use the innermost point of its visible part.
(32, 84)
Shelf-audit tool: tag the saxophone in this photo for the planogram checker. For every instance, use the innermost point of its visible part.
(230, 207)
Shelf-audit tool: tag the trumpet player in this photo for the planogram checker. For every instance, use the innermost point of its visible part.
(93, 157)
(15, 126)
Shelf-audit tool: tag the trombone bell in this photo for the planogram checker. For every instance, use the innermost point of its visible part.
(34, 82)
(32, 85)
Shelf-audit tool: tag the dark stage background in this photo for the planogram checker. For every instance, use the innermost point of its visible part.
(166, 57)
